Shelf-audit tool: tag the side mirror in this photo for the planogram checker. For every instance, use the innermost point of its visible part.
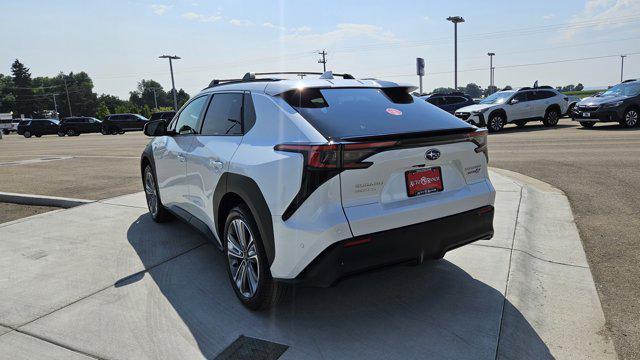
(155, 128)
(514, 101)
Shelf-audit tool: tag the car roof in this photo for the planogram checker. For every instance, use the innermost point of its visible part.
(275, 86)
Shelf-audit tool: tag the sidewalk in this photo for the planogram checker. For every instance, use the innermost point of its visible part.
(103, 281)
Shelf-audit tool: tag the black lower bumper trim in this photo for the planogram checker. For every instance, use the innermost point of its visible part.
(427, 240)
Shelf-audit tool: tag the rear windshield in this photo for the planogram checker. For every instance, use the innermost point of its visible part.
(356, 112)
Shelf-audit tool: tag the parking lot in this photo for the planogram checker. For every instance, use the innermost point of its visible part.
(597, 169)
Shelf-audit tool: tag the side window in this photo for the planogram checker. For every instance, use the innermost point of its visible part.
(224, 115)
(522, 97)
(436, 100)
(248, 112)
(187, 121)
(545, 94)
(455, 100)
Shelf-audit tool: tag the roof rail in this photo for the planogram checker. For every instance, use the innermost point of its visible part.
(629, 80)
(545, 87)
(251, 76)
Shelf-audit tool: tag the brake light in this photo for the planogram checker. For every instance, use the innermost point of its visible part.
(480, 139)
(337, 156)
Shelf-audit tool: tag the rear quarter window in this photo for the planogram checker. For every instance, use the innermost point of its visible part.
(359, 112)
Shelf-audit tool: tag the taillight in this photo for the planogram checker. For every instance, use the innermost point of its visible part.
(337, 156)
(480, 139)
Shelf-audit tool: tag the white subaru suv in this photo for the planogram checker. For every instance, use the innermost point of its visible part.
(517, 106)
(308, 181)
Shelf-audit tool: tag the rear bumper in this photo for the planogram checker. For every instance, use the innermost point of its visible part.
(427, 240)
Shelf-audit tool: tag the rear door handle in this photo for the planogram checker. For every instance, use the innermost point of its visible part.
(216, 164)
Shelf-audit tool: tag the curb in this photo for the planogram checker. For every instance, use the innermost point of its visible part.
(42, 200)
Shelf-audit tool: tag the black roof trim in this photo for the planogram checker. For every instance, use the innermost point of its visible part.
(251, 77)
(629, 80)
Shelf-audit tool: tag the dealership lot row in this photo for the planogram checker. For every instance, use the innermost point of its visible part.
(117, 285)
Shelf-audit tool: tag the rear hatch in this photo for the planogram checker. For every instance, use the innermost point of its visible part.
(401, 160)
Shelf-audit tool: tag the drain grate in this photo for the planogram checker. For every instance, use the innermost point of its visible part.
(248, 348)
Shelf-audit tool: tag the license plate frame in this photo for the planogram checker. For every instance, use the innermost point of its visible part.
(430, 183)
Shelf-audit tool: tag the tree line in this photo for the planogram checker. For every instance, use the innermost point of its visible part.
(72, 93)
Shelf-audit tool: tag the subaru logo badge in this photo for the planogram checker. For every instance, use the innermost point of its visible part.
(432, 154)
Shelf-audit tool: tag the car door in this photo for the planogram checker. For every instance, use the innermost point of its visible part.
(212, 150)
(543, 99)
(170, 155)
(520, 108)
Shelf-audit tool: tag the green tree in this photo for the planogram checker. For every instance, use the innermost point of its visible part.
(111, 102)
(579, 87)
(103, 111)
(22, 91)
(7, 100)
(473, 90)
(146, 111)
(183, 97)
(442, 90)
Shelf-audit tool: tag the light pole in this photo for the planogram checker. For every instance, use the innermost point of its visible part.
(155, 99)
(490, 70)
(622, 67)
(173, 84)
(455, 20)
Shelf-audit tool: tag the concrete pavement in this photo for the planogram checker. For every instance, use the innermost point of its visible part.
(102, 280)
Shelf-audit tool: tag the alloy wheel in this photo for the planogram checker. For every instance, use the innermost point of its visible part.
(243, 257)
(150, 192)
(631, 118)
(553, 117)
(496, 123)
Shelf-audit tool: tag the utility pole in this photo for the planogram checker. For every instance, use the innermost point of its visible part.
(55, 105)
(323, 61)
(491, 69)
(67, 90)
(173, 84)
(455, 20)
(622, 67)
(155, 99)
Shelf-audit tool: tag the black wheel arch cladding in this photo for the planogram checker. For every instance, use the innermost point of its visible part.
(250, 193)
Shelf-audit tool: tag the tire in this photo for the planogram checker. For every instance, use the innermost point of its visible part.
(61, 133)
(247, 263)
(496, 122)
(587, 124)
(104, 131)
(630, 118)
(27, 134)
(158, 212)
(520, 123)
(6, 132)
(120, 132)
(38, 135)
(71, 132)
(570, 110)
(551, 117)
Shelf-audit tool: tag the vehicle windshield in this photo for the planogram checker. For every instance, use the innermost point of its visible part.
(497, 98)
(361, 112)
(628, 89)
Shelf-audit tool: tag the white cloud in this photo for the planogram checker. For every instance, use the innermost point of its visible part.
(192, 16)
(240, 22)
(341, 33)
(602, 14)
(548, 16)
(301, 29)
(271, 25)
(426, 18)
(159, 9)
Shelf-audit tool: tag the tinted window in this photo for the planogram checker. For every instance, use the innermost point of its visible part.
(224, 115)
(367, 112)
(545, 94)
(522, 97)
(455, 100)
(436, 100)
(188, 119)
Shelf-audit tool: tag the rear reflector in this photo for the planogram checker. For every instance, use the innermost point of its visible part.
(356, 242)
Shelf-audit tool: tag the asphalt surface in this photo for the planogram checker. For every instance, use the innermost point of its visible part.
(599, 170)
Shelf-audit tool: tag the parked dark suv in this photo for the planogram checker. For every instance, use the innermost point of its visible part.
(38, 127)
(163, 115)
(74, 126)
(621, 103)
(119, 123)
(449, 102)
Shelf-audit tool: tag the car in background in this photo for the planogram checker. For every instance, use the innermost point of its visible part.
(162, 115)
(9, 125)
(517, 106)
(120, 123)
(74, 126)
(572, 100)
(620, 103)
(290, 193)
(38, 127)
(449, 102)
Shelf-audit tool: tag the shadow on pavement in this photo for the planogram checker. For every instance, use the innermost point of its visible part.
(436, 310)
(530, 127)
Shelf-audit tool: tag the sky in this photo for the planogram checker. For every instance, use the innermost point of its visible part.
(118, 42)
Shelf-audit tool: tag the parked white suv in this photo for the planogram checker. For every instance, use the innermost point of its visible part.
(517, 106)
(312, 180)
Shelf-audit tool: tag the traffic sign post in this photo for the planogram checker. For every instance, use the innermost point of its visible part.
(420, 71)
